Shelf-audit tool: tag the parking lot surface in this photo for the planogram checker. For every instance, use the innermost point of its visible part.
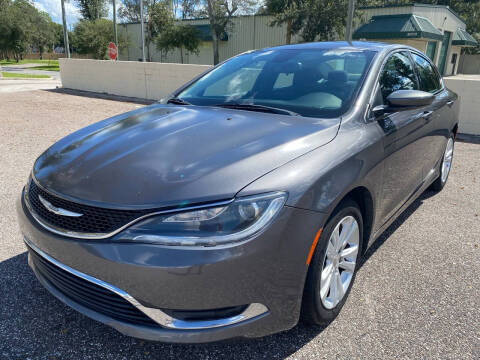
(417, 295)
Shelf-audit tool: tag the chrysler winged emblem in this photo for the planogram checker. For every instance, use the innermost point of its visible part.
(56, 210)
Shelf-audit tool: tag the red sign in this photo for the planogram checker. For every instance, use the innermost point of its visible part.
(112, 51)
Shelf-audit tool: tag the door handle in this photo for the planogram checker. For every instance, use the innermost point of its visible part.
(450, 103)
(426, 114)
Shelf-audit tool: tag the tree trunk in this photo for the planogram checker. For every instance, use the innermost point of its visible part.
(147, 44)
(148, 38)
(181, 54)
(211, 18)
(288, 39)
(216, 56)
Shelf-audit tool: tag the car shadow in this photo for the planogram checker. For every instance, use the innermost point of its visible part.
(104, 96)
(35, 324)
(395, 225)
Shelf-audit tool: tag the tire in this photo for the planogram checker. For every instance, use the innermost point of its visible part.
(440, 182)
(316, 310)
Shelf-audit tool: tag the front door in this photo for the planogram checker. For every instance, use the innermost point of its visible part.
(440, 113)
(404, 137)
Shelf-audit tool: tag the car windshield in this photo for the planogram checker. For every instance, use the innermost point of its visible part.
(308, 82)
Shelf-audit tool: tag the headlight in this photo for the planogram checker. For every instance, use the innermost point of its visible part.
(212, 226)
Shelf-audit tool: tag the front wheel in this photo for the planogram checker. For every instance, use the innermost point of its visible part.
(334, 265)
(445, 165)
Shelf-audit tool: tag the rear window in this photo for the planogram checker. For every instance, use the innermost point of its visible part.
(427, 76)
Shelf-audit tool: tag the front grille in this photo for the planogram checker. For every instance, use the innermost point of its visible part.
(93, 220)
(89, 294)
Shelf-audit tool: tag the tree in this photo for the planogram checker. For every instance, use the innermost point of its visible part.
(220, 13)
(44, 35)
(58, 35)
(178, 36)
(290, 12)
(21, 27)
(160, 18)
(93, 9)
(129, 10)
(186, 9)
(311, 19)
(92, 37)
(157, 15)
(324, 20)
(168, 35)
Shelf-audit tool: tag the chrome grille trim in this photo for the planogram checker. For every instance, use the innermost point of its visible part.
(81, 235)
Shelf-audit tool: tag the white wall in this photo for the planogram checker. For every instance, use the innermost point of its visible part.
(469, 64)
(467, 88)
(127, 78)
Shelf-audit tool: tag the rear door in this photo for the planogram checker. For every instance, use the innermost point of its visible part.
(405, 135)
(441, 113)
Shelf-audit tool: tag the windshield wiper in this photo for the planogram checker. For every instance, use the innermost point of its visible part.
(177, 101)
(256, 107)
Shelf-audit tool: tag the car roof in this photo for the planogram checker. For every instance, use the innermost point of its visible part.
(354, 45)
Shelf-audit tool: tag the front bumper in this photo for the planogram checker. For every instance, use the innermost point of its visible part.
(266, 274)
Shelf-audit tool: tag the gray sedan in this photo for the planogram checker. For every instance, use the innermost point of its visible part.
(244, 201)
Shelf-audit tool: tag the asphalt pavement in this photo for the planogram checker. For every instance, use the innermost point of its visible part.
(415, 296)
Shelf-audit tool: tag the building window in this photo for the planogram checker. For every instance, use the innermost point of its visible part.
(431, 49)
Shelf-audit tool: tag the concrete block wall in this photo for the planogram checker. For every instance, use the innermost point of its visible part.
(468, 90)
(469, 64)
(127, 78)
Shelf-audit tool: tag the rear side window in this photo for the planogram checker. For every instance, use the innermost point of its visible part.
(427, 76)
(397, 74)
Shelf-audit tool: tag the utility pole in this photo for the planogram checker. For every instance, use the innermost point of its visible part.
(115, 39)
(142, 30)
(65, 31)
(351, 9)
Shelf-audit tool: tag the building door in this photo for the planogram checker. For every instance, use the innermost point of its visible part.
(442, 59)
(431, 47)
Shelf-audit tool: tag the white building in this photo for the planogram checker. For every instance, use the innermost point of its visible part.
(435, 30)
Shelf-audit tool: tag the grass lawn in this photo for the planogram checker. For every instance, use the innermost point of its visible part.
(30, 61)
(46, 67)
(25, 76)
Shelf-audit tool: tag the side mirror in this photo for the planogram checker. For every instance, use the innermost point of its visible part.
(379, 111)
(409, 99)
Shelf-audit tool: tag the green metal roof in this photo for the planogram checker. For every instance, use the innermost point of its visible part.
(399, 26)
(413, 4)
(463, 38)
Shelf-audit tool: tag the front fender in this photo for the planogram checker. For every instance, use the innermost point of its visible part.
(320, 179)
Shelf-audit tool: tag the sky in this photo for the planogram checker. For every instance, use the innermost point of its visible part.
(54, 9)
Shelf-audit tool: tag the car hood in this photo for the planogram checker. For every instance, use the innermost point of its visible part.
(166, 155)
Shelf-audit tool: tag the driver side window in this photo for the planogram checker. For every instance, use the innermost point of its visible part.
(397, 74)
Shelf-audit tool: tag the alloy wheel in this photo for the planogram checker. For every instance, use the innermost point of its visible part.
(340, 262)
(447, 160)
